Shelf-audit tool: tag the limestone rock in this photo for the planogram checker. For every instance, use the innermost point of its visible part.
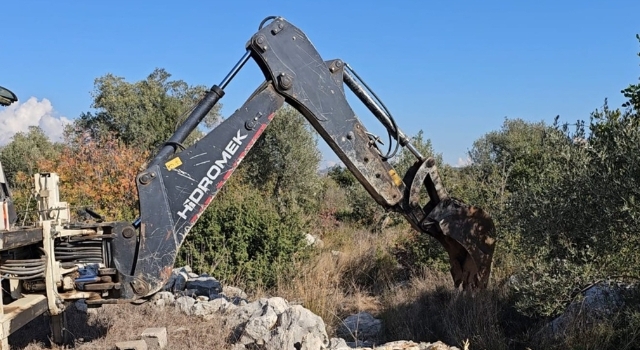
(298, 328)
(360, 327)
(185, 304)
(233, 292)
(156, 338)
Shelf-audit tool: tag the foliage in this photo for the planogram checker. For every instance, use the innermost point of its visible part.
(25, 151)
(98, 173)
(142, 114)
(20, 161)
(506, 161)
(284, 162)
(582, 222)
(242, 237)
(417, 251)
(517, 149)
(361, 209)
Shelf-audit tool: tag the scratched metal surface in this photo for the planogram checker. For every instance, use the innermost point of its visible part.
(174, 199)
(284, 52)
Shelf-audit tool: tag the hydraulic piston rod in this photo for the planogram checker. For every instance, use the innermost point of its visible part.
(198, 113)
(378, 112)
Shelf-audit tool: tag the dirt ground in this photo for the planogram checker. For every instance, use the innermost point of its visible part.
(100, 330)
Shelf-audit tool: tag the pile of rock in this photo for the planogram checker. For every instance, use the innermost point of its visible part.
(271, 323)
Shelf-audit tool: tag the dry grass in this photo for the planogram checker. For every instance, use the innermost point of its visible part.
(429, 309)
(114, 323)
(345, 277)
(356, 271)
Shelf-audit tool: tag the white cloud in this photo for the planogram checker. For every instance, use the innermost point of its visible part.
(462, 162)
(329, 164)
(19, 116)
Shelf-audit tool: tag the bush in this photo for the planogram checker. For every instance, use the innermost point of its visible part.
(242, 238)
(361, 208)
(416, 251)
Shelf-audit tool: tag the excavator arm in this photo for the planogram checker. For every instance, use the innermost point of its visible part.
(179, 183)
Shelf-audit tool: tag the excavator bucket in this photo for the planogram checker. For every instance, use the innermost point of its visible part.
(466, 232)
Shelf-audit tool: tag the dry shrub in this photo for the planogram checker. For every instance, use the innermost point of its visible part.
(345, 276)
(115, 323)
(428, 308)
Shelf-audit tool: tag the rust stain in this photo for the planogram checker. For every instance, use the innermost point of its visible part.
(165, 273)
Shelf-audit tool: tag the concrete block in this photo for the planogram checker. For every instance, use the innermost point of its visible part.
(156, 338)
(132, 345)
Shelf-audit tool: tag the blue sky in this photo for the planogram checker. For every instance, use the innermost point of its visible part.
(454, 69)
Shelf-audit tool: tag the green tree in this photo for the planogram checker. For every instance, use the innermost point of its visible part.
(506, 161)
(21, 159)
(24, 152)
(579, 217)
(243, 238)
(145, 113)
(517, 150)
(285, 161)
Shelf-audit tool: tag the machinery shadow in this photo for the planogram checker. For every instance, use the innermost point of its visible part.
(81, 328)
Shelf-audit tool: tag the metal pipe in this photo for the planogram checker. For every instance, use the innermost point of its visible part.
(40, 275)
(414, 151)
(223, 84)
(23, 271)
(79, 248)
(197, 114)
(33, 264)
(90, 238)
(79, 255)
(193, 120)
(368, 101)
(23, 261)
(26, 268)
(379, 113)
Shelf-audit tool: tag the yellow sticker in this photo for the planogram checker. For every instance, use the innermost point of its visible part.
(173, 163)
(394, 176)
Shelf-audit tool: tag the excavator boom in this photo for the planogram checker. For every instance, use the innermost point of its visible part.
(177, 186)
(57, 259)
